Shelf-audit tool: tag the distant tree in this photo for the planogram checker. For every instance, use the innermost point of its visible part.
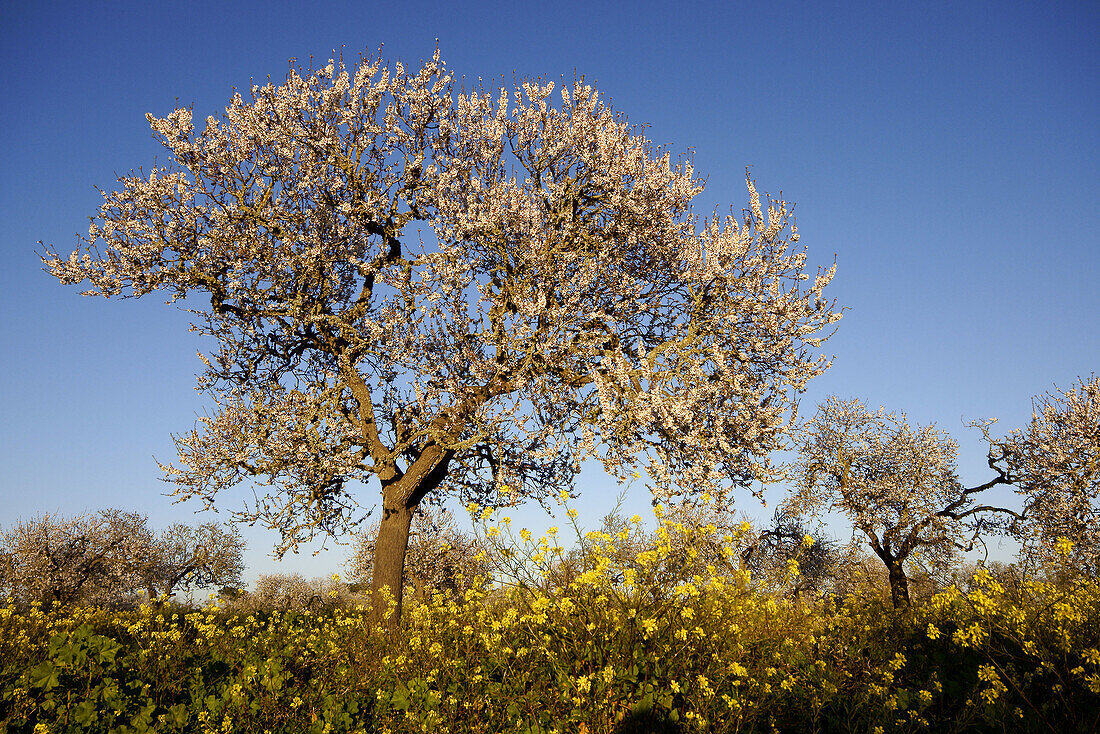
(898, 484)
(289, 591)
(85, 560)
(110, 557)
(564, 302)
(1055, 463)
(787, 539)
(284, 591)
(183, 558)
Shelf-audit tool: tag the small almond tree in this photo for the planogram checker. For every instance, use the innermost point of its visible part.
(454, 292)
(1055, 463)
(84, 560)
(288, 591)
(896, 483)
(110, 557)
(183, 558)
(899, 487)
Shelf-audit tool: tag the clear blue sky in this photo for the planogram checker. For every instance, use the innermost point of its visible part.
(945, 153)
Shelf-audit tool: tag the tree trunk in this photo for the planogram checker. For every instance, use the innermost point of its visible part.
(899, 585)
(400, 498)
(151, 591)
(389, 562)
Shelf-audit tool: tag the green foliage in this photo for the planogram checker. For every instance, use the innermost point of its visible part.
(601, 651)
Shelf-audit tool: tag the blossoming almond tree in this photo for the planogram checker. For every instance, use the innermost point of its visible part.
(81, 560)
(110, 557)
(184, 558)
(453, 293)
(898, 484)
(1055, 462)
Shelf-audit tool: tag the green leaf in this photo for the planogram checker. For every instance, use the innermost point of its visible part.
(45, 675)
(177, 716)
(56, 643)
(400, 698)
(645, 705)
(143, 720)
(108, 649)
(84, 713)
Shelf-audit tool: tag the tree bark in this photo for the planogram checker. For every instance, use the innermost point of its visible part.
(389, 561)
(400, 498)
(899, 585)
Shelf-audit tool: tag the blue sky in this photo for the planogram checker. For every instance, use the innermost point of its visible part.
(945, 153)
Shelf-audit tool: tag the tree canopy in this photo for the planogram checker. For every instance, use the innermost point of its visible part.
(1054, 461)
(896, 483)
(111, 557)
(456, 292)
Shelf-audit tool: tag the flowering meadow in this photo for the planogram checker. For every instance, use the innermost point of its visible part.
(628, 638)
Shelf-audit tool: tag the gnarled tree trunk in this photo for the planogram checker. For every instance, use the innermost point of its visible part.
(389, 561)
(400, 498)
(899, 584)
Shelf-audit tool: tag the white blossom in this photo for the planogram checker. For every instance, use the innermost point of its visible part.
(111, 557)
(438, 288)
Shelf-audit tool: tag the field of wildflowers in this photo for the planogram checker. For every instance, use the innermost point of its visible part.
(651, 638)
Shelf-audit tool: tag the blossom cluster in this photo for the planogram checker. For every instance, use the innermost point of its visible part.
(456, 291)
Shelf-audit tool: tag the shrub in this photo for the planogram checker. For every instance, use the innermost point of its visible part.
(605, 650)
